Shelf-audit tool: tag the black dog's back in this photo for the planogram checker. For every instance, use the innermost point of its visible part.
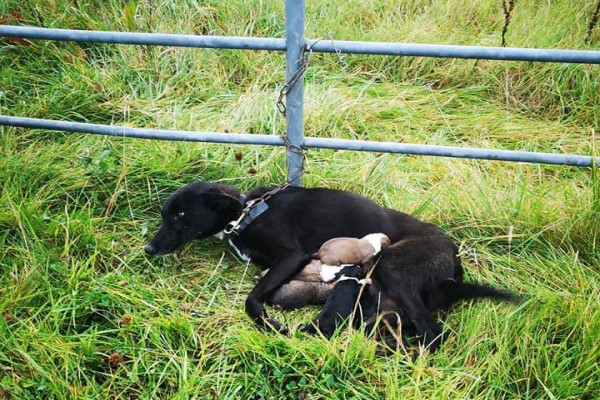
(315, 215)
(437, 279)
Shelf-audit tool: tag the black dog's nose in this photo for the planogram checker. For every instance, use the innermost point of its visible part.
(149, 249)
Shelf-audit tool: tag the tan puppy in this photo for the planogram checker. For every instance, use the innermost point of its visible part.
(314, 283)
(315, 271)
(345, 250)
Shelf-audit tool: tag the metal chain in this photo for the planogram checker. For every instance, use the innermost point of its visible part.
(291, 82)
(294, 149)
(254, 202)
(338, 53)
(298, 150)
(271, 192)
(285, 90)
(232, 227)
(281, 106)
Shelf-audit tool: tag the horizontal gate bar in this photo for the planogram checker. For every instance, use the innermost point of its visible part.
(142, 133)
(157, 39)
(320, 45)
(323, 143)
(451, 151)
(453, 51)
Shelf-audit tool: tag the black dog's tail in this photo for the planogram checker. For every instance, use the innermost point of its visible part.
(442, 295)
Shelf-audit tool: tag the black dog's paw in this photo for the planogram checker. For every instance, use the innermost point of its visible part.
(274, 326)
(432, 341)
(314, 328)
(310, 328)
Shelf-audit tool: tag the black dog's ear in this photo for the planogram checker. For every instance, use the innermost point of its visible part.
(230, 190)
(220, 201)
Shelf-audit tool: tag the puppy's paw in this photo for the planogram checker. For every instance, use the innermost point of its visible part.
(274, 326)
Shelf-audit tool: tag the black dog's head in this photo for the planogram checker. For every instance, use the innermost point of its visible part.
(195, 211)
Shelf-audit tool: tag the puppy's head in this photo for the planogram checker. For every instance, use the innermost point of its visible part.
(378, 241)
(351, 271)
(195, 211)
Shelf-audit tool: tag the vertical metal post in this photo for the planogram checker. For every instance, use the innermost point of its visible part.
(294, 114)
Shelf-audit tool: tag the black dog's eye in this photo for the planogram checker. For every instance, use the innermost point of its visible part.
(180, 214)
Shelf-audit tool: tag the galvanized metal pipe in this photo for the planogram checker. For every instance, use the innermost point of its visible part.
(141, 133)
(322, 143)
(138, 38)
(452, 151)
(325, 45)
(294, 102)
(453, 51)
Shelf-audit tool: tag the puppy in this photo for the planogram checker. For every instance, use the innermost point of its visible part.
(340, 303)
(315, 271)
(297, 293)
(407, 289)
(346, 250)
(311, 286)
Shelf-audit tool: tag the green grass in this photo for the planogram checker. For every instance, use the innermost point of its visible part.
(75, 210)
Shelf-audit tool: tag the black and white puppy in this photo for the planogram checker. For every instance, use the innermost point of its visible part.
(340, 303)
(297, 222)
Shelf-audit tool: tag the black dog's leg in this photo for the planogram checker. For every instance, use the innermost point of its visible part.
(421, 317)
(279, 274)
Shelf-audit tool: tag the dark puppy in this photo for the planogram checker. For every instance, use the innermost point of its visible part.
(296, 223)
(340, 302)
(409, 287)
(309, 287)
(296, 294)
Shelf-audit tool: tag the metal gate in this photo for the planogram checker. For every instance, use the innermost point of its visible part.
(296, 46)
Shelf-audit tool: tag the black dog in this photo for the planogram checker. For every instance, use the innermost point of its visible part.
(340, 303)
(298, 221)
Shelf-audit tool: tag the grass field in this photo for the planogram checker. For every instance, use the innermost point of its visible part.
(84, 314)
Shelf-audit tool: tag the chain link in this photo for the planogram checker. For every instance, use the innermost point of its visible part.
(281, 105)
(232, 227)
(338, 53)
(291, 147)
(291, 82)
